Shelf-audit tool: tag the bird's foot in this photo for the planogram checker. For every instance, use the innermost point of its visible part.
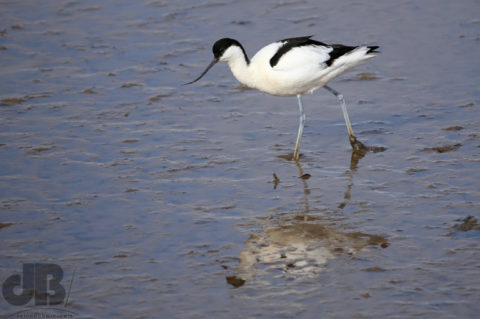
(295, 156)
(357, 146)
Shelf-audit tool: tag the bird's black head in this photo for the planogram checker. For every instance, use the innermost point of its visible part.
(218, 49)
(220, 46)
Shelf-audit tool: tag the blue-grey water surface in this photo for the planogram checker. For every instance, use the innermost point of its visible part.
(161, 197)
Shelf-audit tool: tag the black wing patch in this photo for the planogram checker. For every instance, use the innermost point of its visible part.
(290, 44)
(338, 51)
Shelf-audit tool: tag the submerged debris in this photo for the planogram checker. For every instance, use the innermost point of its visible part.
(374, 269)
(453, 128)
(235, 281)
(89, 91)
(469, 223)
(366, 295)
(5, 225)
(11, 101)
(364, 76)
(129, 85)
(443, 149)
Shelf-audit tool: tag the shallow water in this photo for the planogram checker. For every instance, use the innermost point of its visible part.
(162, 199)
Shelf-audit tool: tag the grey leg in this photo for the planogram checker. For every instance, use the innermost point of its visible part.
(296, 153)
(356, 145)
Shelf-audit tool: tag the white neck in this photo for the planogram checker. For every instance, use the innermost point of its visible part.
(239, 65)
(240, 70)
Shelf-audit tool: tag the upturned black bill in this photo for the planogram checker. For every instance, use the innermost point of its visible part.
(204, 72)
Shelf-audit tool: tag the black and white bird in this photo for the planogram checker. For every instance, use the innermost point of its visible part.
(293, 67)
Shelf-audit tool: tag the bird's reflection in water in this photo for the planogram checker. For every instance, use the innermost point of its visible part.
(300, 244)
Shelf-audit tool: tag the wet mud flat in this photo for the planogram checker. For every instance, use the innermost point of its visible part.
(182, 200)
